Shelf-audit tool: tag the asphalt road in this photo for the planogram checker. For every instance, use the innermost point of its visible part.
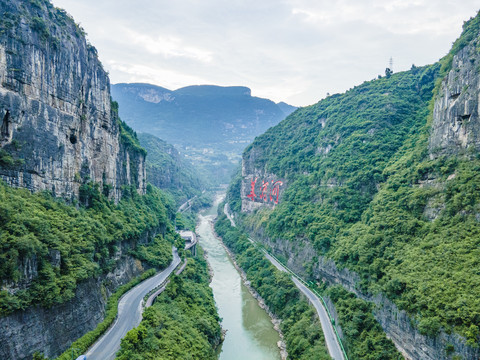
(329, 333)
(330, 338)
(129, 315)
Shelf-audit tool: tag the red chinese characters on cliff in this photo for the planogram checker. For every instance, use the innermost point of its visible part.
(275, 191)
(269, 191)
(264, 188)
(252, 195)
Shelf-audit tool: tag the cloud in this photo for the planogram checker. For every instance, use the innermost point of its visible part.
(290, 50)
(168, 46)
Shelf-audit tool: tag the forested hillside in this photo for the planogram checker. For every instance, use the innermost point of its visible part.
(168, 170)
(77, 217)
(387, 187)
(183, 322)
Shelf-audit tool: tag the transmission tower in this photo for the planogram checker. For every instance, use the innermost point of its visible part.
(390, 63)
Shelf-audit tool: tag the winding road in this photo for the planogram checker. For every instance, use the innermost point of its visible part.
(129, 314)
(329, 333)
(331, 340)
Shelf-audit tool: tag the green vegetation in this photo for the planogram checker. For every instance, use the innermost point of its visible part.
(423, 264)
(81, 345)
(37, 229)
(169, 171)
(363, 336)
(128, 137)
(333, 155)
(300, 326)
(471, 28)
(158, 253)
(7, 161)
(185, 221)
(182, 323)
(39, 25)
(363, 190)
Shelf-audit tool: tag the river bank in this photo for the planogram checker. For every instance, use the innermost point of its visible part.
(250, 332)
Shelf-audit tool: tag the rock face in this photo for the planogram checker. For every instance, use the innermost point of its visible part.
(59, 129)
(455, 131)
(395, 322)
(55, 106)
(259, 188)
(455, 117)
(51, 331)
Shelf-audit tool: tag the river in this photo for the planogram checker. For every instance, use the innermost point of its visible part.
(250, 334)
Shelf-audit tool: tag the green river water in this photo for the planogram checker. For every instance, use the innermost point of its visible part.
(250, 334)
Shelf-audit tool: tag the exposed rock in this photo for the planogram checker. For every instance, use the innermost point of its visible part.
(55, 106)
(259, 188)
(456, 123)
(51, 331)
(396, 323)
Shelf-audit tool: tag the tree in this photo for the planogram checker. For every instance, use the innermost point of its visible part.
(388, 72)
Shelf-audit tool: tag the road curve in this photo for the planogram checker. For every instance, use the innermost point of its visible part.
(129, 314)
(329, 333)
(330, 338)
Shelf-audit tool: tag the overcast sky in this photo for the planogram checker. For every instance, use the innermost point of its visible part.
(286, 50)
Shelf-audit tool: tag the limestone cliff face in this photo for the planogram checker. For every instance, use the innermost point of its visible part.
(52, 330)
(456, 119)
(397, 324)
(55, 106)
(259, 188)
(455, 131)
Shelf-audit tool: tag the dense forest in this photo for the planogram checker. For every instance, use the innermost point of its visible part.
(170, 171)
(365, 190)
(70, 243)
(364, 338)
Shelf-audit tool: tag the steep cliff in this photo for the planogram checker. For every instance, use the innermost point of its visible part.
(455, 126)
(63, 251)
(57, 124)
(381, 195)
(51, 330)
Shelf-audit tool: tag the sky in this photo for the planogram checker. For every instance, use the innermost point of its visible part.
(295, 51)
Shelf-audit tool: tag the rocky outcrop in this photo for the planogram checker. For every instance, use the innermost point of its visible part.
(55, 106)
(396, 323)
(456, 119)
(52, 330)
(455, 132)
(58, 130)
(259, 188)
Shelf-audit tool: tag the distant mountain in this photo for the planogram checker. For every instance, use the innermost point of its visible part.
(211, 125)
(168, 170)
(286, 108)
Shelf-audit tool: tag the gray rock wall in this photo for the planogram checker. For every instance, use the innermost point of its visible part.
(58, 127)
(455, 131)
(396, 323)
(55, 106)
(456, 122)
(51, 331)
(259, 188)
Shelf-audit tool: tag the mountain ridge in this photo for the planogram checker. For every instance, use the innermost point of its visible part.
(210, 124)
(371, 197)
